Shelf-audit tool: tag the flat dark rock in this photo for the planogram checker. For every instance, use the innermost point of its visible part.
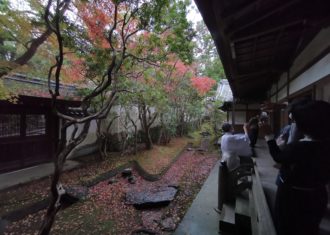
(112, 181)
(126, 172)
(143, 232)
(132, 179)
(74, 193)
(168, 224)
(3, 225)
(156, 197)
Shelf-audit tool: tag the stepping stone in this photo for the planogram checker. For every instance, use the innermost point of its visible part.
(144, 232)
(3, 225)
(126, 172)
(112, 181)
(156, 197)
(132, 179)
(168, 224)
(74, 193)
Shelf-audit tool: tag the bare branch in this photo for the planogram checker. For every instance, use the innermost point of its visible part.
(110, 123)
(104, 85)
(102, 113)
(113, 28)
(74, 132)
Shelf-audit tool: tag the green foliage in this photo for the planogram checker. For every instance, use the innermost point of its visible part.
(217, 117)
(207, 57)
(17, 27)
(181, 44)
(215, 70)
(6, 94)
(4, 6)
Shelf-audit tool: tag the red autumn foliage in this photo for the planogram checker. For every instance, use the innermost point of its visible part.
(98, 17)
(202, 84)
(106, 202)
(176, 73)
(74, 71)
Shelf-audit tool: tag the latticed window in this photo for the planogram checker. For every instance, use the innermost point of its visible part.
(35, 124)
(10, 125)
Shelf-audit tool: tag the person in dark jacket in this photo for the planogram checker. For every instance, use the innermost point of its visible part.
(301, 197)
(253, 130)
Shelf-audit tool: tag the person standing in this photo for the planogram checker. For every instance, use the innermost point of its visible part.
(253, 130)
(301, 196)
(235, 143)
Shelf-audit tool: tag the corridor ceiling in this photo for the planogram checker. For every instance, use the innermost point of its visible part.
(257, 40)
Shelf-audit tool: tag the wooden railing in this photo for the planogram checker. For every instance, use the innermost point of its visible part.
(242, 202)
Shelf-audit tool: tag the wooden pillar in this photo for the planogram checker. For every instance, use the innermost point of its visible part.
(233, 113)
(222, 184)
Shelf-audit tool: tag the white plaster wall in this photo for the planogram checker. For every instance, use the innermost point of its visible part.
(312, 75)
(313, 49)
(119, 124)
(323, 90)
(240, 117)
(282, 93)
(283, 80)
(254, 106)
(318, 71)
(240, 106)
(91, 136)
(273, 99)
(273, 89)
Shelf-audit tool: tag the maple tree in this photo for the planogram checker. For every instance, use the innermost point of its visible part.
(202, 84)
(147, 98)
(185, 97)
(136, 46)
(111, 29)
(20, 41)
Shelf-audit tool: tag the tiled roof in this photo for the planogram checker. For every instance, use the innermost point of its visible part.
(20, 84)
(224, 92)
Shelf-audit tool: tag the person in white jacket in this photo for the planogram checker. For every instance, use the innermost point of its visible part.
(234, 146)
(237, 143)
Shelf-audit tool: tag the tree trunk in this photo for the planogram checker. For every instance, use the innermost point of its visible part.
(135, 140)
(102, 146)
(53, 207)
(100, 141)
(161, 133)
(149, 144)
(64, 149)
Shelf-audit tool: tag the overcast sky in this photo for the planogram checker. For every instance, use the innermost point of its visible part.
(193, 14)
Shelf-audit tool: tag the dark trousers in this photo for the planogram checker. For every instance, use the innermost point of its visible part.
(253, 136)
(299, 211)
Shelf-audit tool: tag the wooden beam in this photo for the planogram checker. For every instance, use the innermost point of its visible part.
(264, 16)
(258, 34)
(258, 73)
(254, 52)
(270, 48)
(253, 59)
(275, 46)
(298, 45)
(237, 13)
(265, 52)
